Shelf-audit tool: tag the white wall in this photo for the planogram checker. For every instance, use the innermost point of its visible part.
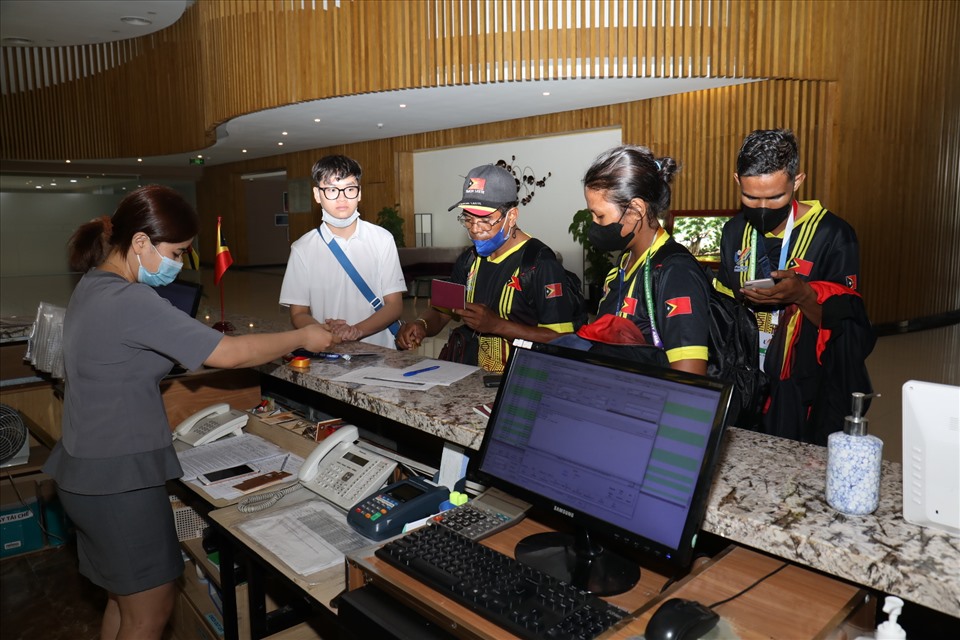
(438, 183)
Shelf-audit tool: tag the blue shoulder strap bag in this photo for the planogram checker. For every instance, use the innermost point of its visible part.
(358, 280)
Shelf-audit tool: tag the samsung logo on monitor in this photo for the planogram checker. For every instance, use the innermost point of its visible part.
(569, 514)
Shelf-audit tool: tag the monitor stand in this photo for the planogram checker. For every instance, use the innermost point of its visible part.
(580, 561)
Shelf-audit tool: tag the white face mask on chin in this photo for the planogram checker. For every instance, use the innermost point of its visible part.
(340, 223)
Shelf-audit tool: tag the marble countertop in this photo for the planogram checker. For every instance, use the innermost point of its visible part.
(768, 492)
(446, 412)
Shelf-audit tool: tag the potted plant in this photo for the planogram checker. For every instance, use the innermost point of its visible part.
(596, 263)
(389, 218)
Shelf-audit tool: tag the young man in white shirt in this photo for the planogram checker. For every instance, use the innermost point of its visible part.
(316, 286)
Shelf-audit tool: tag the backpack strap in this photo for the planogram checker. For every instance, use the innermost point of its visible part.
(358, 280)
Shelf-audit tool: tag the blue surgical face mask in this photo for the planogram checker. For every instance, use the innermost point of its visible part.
(340, 223)
(491, 244)
(166, 274)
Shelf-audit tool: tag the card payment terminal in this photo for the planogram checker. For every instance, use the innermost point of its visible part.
(383, 514)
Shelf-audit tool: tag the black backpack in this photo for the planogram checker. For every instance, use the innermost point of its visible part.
(734, 348)
(571, 284)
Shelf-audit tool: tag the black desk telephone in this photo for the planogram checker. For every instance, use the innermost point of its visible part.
(383, 514)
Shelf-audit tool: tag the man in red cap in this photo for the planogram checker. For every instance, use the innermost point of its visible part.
(504, 299)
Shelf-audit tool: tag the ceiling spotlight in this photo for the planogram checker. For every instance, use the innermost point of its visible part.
(136, 21)
(283, 133)
(403, 106)
(279, 144)
(199, 155)
(139, 159)
(316, 119)
(379, 125)
(243, 151)
(73, 180)
(67, 161)
(546, 93)
(39, 186)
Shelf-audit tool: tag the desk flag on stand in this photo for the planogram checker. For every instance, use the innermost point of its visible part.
(221, 263)
(223, 259)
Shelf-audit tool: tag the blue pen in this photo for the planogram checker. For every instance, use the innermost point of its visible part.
(413, 373)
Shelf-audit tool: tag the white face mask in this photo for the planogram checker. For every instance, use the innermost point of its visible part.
(340, 223)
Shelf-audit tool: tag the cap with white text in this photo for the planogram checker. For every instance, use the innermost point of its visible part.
(486, 189)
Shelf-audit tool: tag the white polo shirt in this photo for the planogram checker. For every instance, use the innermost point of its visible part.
(315, 278)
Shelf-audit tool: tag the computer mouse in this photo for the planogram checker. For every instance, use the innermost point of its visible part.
(679, 619)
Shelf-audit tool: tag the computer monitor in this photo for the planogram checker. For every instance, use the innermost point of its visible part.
(931, 455)
(183, 295)
(621, 450)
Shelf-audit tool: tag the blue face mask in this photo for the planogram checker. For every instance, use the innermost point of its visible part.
(166, 274)
(488, 246)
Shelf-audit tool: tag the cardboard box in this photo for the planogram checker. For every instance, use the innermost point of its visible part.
(20, 516)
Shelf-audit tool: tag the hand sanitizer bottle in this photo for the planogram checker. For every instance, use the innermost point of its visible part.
(891, 629)
(853, 464)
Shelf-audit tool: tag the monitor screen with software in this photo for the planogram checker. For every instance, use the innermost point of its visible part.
(619, 449)
(183, 295)
(931, 455)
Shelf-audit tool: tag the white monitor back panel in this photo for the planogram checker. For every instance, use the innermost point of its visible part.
(931, 455)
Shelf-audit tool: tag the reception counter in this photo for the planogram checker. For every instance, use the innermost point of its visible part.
(768, 492)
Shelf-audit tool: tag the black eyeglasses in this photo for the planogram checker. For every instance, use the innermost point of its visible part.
(484, 223)
(332, 193)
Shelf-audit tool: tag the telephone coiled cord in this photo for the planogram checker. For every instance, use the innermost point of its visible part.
(252, 504)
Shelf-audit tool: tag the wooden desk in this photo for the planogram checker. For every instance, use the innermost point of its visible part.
(364, 567)
(795, 603)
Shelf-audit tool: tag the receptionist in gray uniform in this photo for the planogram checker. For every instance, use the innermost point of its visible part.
(120, 338)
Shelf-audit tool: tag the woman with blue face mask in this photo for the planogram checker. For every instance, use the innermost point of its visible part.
(120, 338)
(500, 305)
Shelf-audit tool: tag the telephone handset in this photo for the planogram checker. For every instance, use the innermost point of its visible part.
(209, 424)
(342, 472)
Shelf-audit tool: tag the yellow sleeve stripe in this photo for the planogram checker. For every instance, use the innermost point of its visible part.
(559, 327)
(687, 353)
(721, 288)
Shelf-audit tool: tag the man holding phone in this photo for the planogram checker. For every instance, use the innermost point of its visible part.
(797, 265)
(504, 300)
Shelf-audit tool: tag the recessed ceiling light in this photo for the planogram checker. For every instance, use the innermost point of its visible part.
(39, 186)
(73, 180)
(136, 21)
(279, 144)
(403, 106)
(546, 93)
(199, 155)
(67, 161)
(139, 159)
(243, 151)
(379, 125)
(283, 133)
(316, 119)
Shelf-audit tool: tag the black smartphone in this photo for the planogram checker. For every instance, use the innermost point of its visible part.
(212, 477)
(492, 380)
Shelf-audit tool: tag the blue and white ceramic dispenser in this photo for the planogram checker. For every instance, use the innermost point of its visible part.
(853, 464)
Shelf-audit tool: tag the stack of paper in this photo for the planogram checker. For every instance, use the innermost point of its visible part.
(424, 375)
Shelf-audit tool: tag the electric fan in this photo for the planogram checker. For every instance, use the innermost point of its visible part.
(14, 443)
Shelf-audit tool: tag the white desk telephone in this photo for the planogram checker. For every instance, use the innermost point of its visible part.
(342, 472)
(212, 423)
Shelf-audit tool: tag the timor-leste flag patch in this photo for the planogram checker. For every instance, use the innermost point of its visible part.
(629, 306)
(679, 307)
(801, 266)
(554, 290)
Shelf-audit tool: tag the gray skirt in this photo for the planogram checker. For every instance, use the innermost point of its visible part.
(127, 542)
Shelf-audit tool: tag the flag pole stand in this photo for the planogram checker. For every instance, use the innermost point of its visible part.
(223, 326)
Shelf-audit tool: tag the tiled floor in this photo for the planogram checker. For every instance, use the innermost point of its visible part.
(42, 597)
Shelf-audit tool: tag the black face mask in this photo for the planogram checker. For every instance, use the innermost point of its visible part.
(608, 238)
(766, 220)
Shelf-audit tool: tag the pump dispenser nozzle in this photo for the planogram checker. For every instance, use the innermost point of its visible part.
(855, 424)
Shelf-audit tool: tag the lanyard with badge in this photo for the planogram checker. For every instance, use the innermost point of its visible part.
(767, 329)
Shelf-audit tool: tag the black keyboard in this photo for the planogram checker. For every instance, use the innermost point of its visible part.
(523, 600)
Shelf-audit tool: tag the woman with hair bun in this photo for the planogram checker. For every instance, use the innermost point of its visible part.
(627, 189)
(120, 338)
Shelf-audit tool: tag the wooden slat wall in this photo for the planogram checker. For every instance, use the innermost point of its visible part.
(870, 88)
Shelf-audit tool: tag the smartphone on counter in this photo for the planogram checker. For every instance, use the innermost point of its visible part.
(762, 283)
(230, 473)
(492, 380)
